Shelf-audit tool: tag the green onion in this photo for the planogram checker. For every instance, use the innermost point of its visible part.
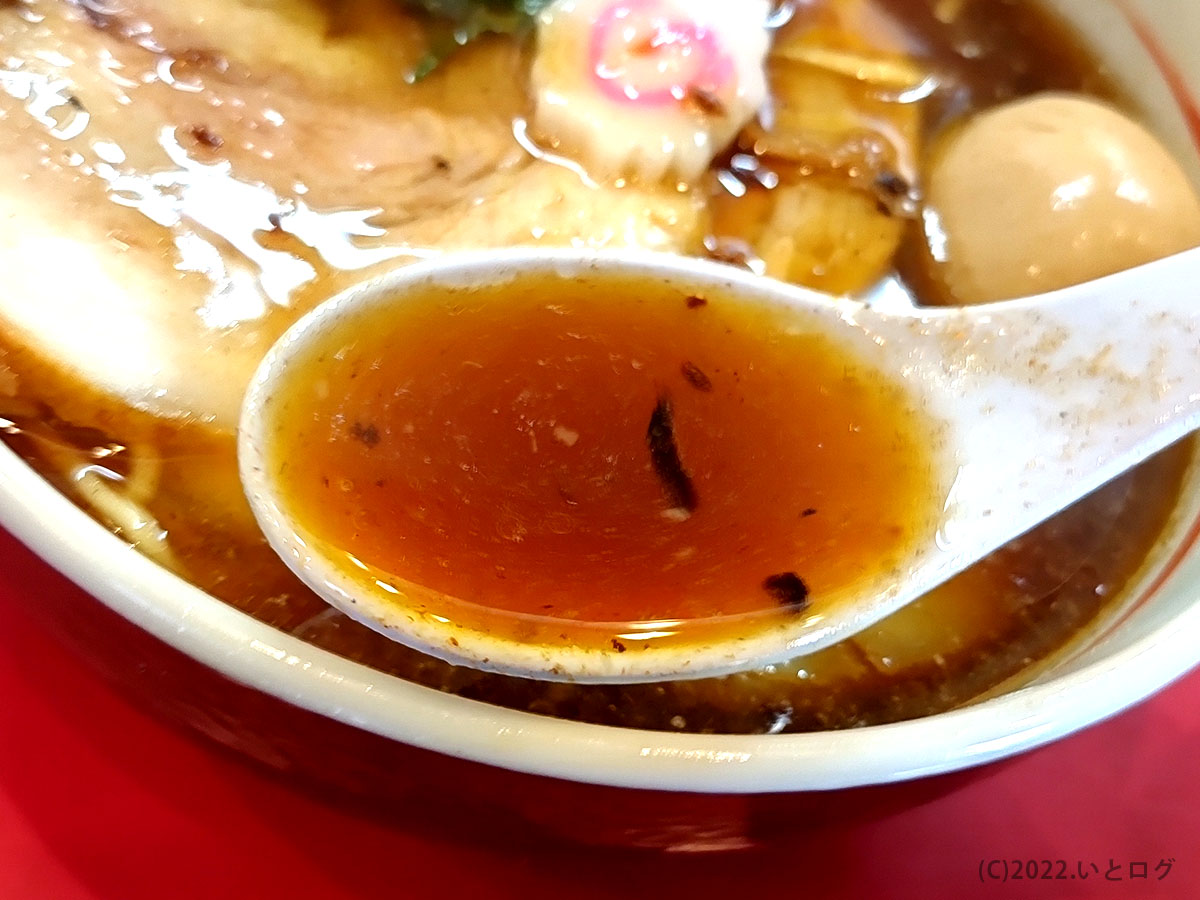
(465, 20)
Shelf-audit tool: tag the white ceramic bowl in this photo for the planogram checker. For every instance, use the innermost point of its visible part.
(1152, 639)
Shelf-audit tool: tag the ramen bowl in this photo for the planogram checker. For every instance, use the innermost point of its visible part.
(299, 708)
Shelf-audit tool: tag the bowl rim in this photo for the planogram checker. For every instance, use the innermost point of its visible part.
(260, 656)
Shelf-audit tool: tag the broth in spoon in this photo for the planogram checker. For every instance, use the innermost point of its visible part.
(390, 449)
(600, 462)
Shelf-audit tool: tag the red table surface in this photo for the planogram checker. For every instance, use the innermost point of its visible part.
(99, 800)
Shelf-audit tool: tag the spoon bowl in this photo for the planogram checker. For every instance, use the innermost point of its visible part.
(1029, 405)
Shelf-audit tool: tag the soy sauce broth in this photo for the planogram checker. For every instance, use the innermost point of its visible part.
(599, 452)
(985, 628)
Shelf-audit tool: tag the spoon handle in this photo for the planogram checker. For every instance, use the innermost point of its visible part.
(1050, 397)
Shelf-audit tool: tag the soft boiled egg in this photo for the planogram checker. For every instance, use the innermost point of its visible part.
(1051, 191)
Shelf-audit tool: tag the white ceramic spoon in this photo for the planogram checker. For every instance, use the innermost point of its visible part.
(1040, 400)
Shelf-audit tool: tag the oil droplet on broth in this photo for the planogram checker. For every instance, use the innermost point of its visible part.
(740, 469)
